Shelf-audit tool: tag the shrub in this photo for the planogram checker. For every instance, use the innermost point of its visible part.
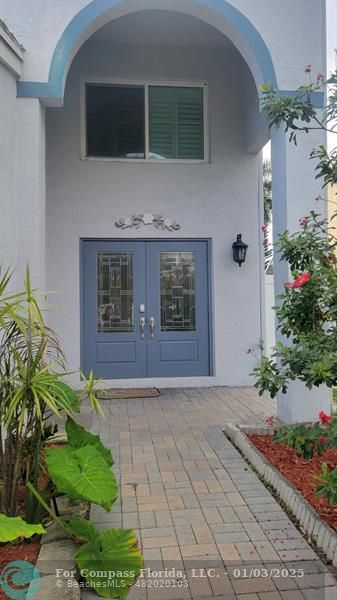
(304, 439)
(327, 484)
(307, 309)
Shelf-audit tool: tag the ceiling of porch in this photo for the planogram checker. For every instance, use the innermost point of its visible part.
(161, 28)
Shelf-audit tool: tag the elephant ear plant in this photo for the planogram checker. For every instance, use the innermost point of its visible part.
(32, 389)
(81, 469)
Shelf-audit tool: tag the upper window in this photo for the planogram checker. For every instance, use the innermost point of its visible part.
(149, 122)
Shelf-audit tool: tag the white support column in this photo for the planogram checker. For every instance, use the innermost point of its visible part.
(30, 190)
(294, 192)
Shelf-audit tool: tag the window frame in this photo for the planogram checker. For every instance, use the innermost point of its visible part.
(146, 84)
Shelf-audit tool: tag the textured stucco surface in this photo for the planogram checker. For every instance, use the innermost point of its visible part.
(8, 147)
(22, 182)
(293, 34)
(216, 200)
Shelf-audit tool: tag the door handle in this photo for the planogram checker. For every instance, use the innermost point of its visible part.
(151, 325)
(142, 327)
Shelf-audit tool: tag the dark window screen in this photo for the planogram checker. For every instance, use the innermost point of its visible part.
(115, 121)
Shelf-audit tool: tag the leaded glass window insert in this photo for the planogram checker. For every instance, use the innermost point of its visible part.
(115, 303)
(177, 291)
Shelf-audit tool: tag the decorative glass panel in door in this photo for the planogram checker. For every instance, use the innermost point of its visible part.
(177, 291)
(115, 309)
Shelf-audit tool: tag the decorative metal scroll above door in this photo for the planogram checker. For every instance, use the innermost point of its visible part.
(159, 222)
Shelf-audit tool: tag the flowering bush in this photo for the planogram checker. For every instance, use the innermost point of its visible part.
(306, 312)
(307, 309)
(324, 418)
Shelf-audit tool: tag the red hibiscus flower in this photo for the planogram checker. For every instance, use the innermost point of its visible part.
(323, 440)
(324, 418)
(299, 281)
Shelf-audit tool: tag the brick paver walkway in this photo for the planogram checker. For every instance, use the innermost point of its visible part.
(196, 505)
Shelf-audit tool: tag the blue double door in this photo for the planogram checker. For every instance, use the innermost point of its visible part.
(145, 308)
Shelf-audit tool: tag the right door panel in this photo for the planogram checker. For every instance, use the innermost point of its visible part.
(178, 309)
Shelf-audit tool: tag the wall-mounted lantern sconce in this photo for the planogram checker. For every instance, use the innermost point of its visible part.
(239, 250)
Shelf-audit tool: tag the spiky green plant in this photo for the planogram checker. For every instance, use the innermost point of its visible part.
(31, 388)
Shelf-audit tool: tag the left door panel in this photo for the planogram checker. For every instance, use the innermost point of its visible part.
(114, 289)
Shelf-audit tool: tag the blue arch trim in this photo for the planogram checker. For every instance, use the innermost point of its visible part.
(79, 24)
(54, 87)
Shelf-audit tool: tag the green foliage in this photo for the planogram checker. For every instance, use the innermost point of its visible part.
(267, 190)
(327, 484)
(90, 387)
(81, 529)
(307, 309)
(32, 388)
(299, 115)
(268, 377)
(12, 528)
(306, 312)
(295, 112)
(32, 367)
(68, 399)
(78, 436)
(114, 551)
(29, 390)
(304, 439)
(81, 469)
(82, 474)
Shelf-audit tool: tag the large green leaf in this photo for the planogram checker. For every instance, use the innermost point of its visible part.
(81, 528)
(114, 551)
(66, 396)
(82, 474)
(12, 528)
(78, 436)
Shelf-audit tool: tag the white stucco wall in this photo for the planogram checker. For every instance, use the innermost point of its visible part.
(216, 200)
(294, 34)
(22, 171)
(8, 147)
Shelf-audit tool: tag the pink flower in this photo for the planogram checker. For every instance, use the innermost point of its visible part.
(265, 242)
(320, 77)
(307, 69)
(323, 440)
(264, 228)
(269, 420)
(299, 281)
(324, 418)
(304, 221)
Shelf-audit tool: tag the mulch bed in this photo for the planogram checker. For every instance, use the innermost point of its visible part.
(300, 472)
(26, 551)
